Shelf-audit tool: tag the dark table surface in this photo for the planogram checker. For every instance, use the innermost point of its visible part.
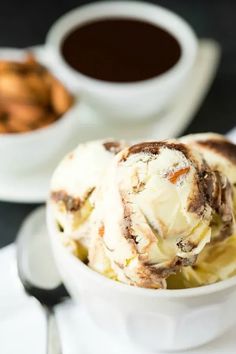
(25, 22)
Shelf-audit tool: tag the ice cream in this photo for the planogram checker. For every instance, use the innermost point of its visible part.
(155, 212)
(73, 189)
(220, 155)
(216, 262)
(218, 151)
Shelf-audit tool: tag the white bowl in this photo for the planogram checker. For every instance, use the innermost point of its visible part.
(129, 100)
(22, 153)
(168, 320)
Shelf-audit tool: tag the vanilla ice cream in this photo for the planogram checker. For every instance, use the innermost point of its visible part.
(215, 263)
(220, 155)
(155, 212)
(73, 189)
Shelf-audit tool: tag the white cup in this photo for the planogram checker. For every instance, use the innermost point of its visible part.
(128, 101)
(155, 320)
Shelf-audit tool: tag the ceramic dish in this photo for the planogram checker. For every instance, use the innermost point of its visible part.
(25, 154)
(152, 319)
(129, 101)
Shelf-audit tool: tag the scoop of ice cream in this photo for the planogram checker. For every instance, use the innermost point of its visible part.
(220, 155)
(215, 263)
(218, 151)
(154, 213)
(73, 189)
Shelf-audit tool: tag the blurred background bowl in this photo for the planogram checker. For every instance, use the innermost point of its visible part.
(27, 152)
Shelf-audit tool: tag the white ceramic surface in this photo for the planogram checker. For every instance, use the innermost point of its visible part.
(166, 320)
(133, 101)
(20, 154)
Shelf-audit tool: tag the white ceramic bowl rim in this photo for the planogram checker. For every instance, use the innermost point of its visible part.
(56, 35)
(190, 292)
(162, 293)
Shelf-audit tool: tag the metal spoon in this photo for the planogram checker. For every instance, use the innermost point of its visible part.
(38, 273)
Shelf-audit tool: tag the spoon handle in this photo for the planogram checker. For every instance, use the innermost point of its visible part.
(53, 338)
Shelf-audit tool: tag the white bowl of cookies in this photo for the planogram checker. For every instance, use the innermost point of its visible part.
(37, 113)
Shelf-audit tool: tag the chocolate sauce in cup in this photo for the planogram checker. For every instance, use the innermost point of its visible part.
(126, 59)
(120, 50)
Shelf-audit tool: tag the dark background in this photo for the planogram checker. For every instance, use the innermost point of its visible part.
(25, 23)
